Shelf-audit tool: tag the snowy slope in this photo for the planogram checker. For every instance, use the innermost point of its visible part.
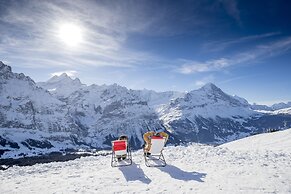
(283, 111)
(191, 169)
(280, 140)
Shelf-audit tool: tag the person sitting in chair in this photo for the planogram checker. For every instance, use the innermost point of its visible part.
(147, 138)
(123, 157)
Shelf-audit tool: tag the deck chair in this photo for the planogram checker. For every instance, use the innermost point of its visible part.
(120, 149)
(156, 157)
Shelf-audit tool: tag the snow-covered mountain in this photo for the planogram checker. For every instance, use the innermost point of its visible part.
(273, 107)
(260, 107)
(25, 105)
(281, 105)
(286, 111)
(208, 115)
(258, 164)
(62, 85)
(208, 102)
(70, 114)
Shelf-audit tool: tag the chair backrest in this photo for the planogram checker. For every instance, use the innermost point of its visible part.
(158, 144)
(119, 147)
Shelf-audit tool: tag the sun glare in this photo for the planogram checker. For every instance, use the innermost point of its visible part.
(70, 34)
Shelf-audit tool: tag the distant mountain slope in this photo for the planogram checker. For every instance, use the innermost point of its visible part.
(283, 111)
(281, 105)
(273, 107)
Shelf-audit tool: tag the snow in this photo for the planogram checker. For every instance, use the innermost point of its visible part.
(191, 169)
(279, 140)
(283, 111)
(276, 112)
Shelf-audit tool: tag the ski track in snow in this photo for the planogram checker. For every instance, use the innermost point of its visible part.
(191, 169)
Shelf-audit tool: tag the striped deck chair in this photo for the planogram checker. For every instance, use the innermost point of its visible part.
(156, 157)
(121, 153)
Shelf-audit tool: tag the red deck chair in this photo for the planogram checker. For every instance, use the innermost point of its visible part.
(156, 158)
(121, 153)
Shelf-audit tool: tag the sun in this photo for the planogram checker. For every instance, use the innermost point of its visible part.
(70, 34)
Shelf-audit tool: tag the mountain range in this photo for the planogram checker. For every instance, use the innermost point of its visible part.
(62, 113)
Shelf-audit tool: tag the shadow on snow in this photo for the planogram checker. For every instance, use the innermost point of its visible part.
(179, 174)
(134, 173)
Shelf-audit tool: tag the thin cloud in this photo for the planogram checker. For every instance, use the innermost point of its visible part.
(223, 44)
(197, 67)
(260, 52)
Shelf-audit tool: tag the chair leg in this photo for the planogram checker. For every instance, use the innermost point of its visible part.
(163, 159)
(112, 159)
(129, 156)
(160, 158)
(115, 163)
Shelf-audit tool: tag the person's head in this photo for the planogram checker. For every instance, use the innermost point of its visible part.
(123, 137)
(158, 131)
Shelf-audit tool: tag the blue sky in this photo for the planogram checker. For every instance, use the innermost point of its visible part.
(241, 46)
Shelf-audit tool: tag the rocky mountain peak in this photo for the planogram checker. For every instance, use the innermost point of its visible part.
(60, 78)
(63, 79)
(210, 87)
(4, 69)
(62, 85)
(6, 73)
